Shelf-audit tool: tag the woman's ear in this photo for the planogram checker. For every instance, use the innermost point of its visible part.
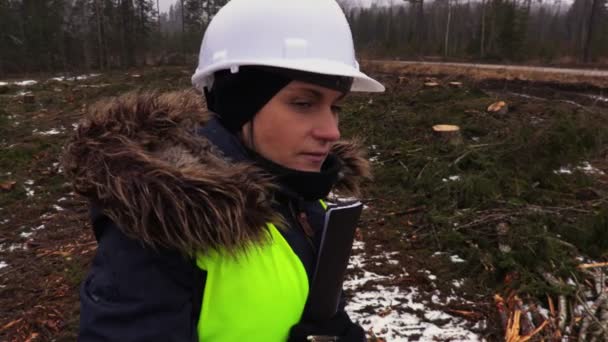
(246, 135)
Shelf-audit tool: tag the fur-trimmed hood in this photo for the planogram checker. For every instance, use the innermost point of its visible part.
(140, 159)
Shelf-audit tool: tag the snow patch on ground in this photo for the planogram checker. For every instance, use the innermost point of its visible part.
(584, 167)
(374, 155)
(76, 78)
(458, 283)
(456, 259)
(29, 192)
(47, 216)
(102, 85)
(451, 179)
(26, 83)
(23, 93)
(598, 98)
(3, 264)
(12, 247)
(396, 314)
(53, 131)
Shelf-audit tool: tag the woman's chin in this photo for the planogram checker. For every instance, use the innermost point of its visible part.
(307, 166)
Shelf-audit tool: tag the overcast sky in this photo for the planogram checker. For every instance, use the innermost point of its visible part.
(164, 4)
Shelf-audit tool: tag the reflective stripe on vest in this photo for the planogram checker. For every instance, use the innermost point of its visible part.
(323, 204)
(256, 296)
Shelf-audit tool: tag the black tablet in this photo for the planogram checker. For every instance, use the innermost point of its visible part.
(332, 260)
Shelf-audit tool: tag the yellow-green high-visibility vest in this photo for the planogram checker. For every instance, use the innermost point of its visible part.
(256, 296)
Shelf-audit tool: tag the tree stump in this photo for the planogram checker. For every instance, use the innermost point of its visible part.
(448, 134)
(29, 98)
(499, 108)
(7, 186)
(431, 84)
(502, 231)
(455, 84)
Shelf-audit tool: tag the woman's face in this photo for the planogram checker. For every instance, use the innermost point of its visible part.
(297, 127)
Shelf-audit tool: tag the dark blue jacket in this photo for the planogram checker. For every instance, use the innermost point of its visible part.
(137, 289)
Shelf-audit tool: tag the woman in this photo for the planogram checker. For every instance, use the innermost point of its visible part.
(209, 233)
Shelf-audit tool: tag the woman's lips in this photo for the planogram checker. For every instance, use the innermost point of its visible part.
(316, 158)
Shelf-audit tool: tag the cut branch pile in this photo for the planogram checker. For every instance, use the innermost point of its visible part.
(583, 314)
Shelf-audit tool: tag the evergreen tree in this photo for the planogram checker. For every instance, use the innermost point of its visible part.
(12, 42)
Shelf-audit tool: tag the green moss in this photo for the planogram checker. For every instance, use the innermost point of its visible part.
(74, 272)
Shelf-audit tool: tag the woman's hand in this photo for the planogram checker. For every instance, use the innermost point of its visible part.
(339, 328)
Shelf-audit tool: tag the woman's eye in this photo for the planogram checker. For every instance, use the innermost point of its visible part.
(302, 104)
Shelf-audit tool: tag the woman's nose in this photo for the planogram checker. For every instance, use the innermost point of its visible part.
(327, 127)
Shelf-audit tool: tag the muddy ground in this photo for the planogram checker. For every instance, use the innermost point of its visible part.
(428, 201)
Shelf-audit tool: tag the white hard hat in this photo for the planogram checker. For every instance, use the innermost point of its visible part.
(305, 35)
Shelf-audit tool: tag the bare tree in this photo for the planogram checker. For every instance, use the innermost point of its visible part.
(158, 15)
(482, 52)
(100, 35)
(596, 8)
(447, 29)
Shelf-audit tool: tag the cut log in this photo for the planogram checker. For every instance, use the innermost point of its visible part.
(449, 134)
(499, 107)
(29, 98)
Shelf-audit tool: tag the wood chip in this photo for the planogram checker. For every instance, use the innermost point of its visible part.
(593, 265)
(10, 324)
(499, 107)
(7, 186)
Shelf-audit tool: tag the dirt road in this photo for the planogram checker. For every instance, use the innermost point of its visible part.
(521, 68)
(593, 77)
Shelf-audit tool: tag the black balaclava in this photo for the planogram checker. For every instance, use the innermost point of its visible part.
(237, 97)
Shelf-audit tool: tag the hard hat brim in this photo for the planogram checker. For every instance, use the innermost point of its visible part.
(361, 83)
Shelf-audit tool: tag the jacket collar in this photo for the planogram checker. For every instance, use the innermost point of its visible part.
(228, 144)
(296, 185)
(139, 158)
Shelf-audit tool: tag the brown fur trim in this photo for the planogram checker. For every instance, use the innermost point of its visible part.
(356, 167)
(139, 158)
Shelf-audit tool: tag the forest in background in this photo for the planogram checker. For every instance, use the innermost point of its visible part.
(83, 35)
